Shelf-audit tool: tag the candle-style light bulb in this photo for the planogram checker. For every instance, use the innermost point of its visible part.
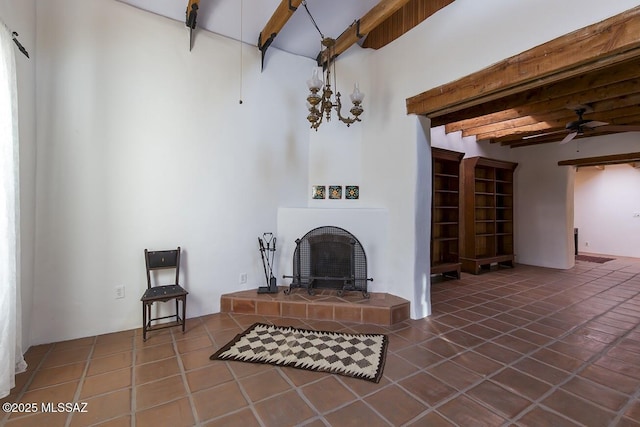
(314, 82)
(356, 96)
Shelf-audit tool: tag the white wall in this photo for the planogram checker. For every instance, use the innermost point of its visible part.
(143, 144)
(121, 100)
(545, 197)
(605, 204)
(543, 207)
(21, 18)
(335, 149)
(460, 39)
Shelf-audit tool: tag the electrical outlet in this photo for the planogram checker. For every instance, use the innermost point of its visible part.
(119, 292)
(243, 278)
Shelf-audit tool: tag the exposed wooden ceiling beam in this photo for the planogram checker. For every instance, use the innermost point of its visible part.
(557, 123)
(559, 95)
(489, 131)
(602, 160)
(553, 113)
(362, 27)
(597, 46)
(191, 15)
(619, 117)
(282, 14)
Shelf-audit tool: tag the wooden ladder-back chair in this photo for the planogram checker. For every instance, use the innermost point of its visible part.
(162, 260)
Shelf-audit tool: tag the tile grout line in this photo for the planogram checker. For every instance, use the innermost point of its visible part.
(362, 399)
(598, 301)
(584, 364)
(235, 377)
(134, 351)
(27, 383)
(245, 395)
(321, 415)
(512, 364)
(298, 389)
(183, 375)
(626, 407)
(76, 395)
(516, 327)
(576, 372)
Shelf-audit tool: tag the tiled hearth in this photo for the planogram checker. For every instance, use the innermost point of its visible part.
(378, 309)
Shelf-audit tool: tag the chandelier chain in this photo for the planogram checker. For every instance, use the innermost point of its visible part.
(304, 3)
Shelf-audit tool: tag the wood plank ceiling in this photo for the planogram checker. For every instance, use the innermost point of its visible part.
(401, 21)
(385, 22)
(529, 98)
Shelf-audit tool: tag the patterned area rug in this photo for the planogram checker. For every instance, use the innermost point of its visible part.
(353, 355)
(598, 259)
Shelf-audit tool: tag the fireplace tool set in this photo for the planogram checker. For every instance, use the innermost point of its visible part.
(267, 245)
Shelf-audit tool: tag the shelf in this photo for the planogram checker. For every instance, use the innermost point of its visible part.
(445, 212)
(446, 269)
(486, 196)
(483, 255)
(445, 239)
(445, 175)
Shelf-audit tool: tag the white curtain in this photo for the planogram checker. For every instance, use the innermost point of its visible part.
(11, 360)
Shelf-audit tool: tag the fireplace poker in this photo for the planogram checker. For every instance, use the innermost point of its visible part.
(267, 253)
(264, 264)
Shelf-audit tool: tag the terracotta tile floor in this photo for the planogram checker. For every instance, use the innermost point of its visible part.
(523, 347)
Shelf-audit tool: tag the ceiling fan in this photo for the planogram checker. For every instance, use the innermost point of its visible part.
(580, 126)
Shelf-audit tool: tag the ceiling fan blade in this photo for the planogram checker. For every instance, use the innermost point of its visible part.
(568, 137)
(594, 124)
(620, 128)
(538, 135)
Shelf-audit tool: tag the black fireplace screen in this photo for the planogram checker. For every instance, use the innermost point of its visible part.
(329, 258)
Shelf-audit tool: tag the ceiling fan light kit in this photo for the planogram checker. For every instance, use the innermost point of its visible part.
(581, 126)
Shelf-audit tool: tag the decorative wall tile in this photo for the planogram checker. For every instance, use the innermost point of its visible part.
(335, 191)
(318, 192)
(352, 192)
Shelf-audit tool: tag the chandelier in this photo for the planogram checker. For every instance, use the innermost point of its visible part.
(319, 103)
(320, 106)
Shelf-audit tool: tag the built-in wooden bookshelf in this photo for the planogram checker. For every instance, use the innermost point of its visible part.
(486, 235)
(445, 212)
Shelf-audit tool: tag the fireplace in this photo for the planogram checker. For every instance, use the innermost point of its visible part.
(329, 258)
